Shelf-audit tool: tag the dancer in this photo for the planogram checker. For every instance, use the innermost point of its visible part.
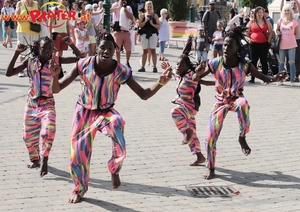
(188, 87)
(95, 111)
(230, 72)
(39, 115)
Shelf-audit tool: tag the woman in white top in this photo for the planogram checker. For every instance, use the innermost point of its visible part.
(82, 38)
(163, 33)
(8, 24)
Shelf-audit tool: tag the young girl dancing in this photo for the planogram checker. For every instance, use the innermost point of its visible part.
(187, 100)
(95, 111)
(39, 115)
(230, 72)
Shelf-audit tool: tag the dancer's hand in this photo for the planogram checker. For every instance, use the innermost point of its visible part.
(280, 76)
(54, 67)
(200, 68)
(21, 48)
(166, 66)
(165, 76)
(67, 40)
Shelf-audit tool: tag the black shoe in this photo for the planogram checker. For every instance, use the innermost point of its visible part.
(154, 70)
(251, 81)
(142, 70)
(128, 65)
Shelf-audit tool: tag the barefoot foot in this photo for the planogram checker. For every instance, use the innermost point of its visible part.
(210, 174)
(189, 133)
(115, 181)
(200, 159)
(75, 198)
(33, 164)
(44, 166)
(245, 148)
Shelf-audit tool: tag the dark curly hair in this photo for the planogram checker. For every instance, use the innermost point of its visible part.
(238, 34)
(185, 56)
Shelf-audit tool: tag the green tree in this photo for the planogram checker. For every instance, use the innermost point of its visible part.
(254, 3)
(158, 5)
(177, 9)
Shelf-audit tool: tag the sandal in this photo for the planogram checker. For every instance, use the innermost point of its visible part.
(5, 45)
(164, 59)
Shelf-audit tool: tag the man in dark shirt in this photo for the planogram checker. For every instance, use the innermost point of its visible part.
(233, 11)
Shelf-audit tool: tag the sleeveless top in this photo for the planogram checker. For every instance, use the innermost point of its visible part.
(100, 92)
(187, 91)
(24, 26)
(259, 34)
(229, 81)
(40, 78)
(148, 28)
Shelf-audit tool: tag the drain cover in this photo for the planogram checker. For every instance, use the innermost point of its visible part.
(212, 191)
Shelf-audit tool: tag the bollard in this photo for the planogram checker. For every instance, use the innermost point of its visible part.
(106, 5)
(192, 13)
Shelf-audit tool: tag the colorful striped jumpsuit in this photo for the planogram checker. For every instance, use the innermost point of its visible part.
(39, 115)
(229, 86)
(188, 103)
(94, 112)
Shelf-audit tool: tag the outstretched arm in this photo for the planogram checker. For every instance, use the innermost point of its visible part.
(65, 60)
(149, 92)
(254, 72)
(206, 82)
(58, 85)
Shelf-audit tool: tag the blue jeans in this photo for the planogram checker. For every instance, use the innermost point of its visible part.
(162, 45)
(283, 53)
(201, 55)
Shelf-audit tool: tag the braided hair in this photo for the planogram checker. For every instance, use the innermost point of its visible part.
(185, 56)
(238, 34)
(35, 46)
(105, 36)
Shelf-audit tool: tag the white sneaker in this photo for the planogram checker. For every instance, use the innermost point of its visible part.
(21, 74)
(279, 83)
(293, 84)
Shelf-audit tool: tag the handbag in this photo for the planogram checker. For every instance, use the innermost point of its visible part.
(33, 26)
(277, 42)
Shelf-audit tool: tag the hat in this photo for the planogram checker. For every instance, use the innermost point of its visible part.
(200, 27)
(95, 5)
(88, 7)
(212, 1)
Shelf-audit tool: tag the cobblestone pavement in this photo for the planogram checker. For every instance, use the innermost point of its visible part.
(156, 170)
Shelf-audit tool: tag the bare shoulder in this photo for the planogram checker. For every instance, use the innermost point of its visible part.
(19, 4)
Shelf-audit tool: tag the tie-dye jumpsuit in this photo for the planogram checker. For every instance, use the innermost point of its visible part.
(94, 112)
(188, 102)
(229, 86)
(39, 115)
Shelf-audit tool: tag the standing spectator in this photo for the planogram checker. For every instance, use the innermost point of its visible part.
(59, 29)
(8, 25)
(210, 19)
(122, 15)
(98, 18)
(267, 17)
(260, 32)
(218, 40)
(149, 25)
(82, 38)
(24, 34)
(163, 33)
(240, 19)
(200, 45)
(287, 27)
(295, 7)
(233, 11)
(90, 26)
(72, 23)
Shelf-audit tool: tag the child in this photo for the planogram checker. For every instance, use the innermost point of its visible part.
(201, 43)
(82, 38)
(218, 40)
(188, 87)
(94, 112)
(230, 72)
(40, 115)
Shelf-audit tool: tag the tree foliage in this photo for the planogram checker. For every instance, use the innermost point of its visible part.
(158, 5)
(177, 9)
(254, 3)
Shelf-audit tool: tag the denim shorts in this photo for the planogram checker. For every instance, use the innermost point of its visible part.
(201, 55)
(218, 47)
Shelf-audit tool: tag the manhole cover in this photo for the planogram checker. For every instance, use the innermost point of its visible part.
(212, 191)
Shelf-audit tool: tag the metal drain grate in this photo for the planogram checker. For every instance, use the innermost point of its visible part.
(212, 191)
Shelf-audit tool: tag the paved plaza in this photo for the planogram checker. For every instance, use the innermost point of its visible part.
(156, 171)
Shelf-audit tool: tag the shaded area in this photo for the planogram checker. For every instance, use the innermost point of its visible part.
(107, 205)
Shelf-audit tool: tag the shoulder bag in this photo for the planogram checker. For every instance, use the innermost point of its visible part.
(33, 26)
(269, 45)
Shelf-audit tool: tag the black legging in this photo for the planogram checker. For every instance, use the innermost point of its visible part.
(259, 51)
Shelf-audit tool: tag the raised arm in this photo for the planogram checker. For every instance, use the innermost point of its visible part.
(65, 60)
(11, 71)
